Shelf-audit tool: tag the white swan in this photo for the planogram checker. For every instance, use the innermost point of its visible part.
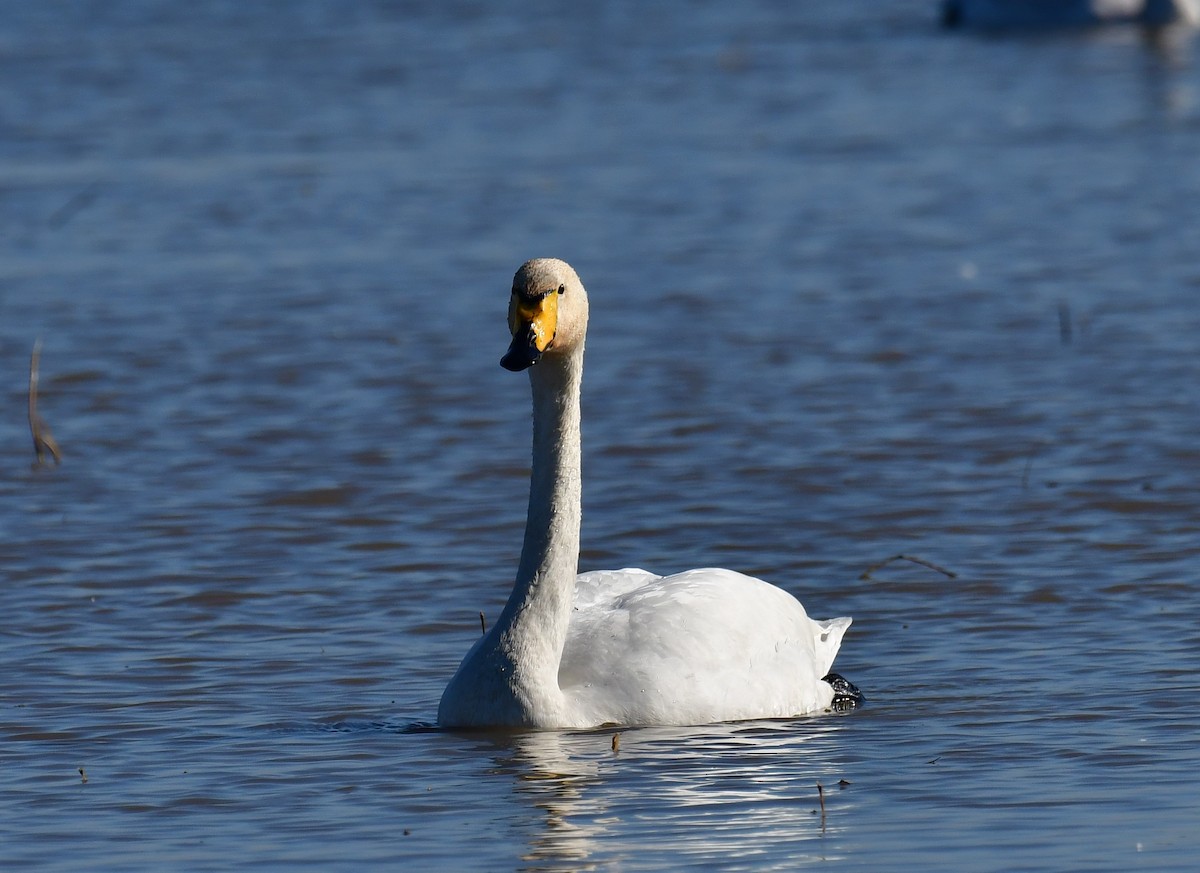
(620, 646)
(1067, 13)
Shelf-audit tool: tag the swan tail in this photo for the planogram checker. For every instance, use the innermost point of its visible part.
(828, 638)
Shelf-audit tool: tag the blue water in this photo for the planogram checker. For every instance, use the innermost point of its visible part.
(860, 288)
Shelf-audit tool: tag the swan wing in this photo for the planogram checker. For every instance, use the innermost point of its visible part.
(701, 646)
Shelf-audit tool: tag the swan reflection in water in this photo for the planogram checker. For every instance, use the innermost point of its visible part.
(718, 792)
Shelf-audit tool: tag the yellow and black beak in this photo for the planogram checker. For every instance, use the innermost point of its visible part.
(533, 322)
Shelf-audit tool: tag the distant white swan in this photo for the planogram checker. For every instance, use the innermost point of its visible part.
(1067, 13)
(621, 646)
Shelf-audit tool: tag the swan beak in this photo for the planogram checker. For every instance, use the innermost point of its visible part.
(533, 323)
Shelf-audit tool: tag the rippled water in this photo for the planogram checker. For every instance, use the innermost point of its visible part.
(859, 288)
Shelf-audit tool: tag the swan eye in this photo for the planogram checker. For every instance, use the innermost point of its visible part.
(562, 288)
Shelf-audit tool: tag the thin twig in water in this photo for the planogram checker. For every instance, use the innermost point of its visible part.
(1064, 322)
(821, 797)
(482, 623)
(43, 440)
(947, 573)
(74, 205)
(616, 743)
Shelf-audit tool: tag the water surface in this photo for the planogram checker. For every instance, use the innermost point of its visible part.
(859, 288)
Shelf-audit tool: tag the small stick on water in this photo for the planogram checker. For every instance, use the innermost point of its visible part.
(1064, 322)
(947, 573)
(83, 776)
(482, 623)
(43, 440)
(821, 797)
(616, 743)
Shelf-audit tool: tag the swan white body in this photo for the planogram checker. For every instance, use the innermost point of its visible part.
(620, 646)
(1067, 13)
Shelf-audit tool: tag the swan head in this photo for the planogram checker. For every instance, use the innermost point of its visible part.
(547, 313)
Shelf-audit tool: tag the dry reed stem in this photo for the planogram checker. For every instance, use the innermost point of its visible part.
(866, 574)
(43, 441)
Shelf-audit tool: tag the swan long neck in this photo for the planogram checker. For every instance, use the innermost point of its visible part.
(537, 615)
